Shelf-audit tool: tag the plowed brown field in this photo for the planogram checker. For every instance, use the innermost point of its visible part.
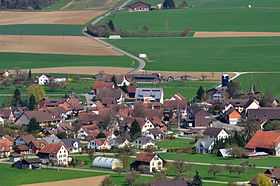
(75, 45)
(56, 17)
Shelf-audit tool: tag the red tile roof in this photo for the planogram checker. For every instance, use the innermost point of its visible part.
(52, 148)
(145, 156)
(264, 139)
(102, 84)
(100, 141)
(92, 130)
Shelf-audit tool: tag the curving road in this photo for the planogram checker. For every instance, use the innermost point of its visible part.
(141, 61)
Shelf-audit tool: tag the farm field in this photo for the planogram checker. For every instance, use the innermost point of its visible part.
(41, 29)
(206, 54)
(92, 4)
(74, 45)
(211, 158)
(223, 3)
(200, 19)
(174, 143)
(188, 89)
(54, 17)
(30, 61)
(262, 82)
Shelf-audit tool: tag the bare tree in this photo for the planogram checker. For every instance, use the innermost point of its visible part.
(215, 169)
(131, 177)
(107, 181)
(203, 76)
(181, 168)
(110, 121)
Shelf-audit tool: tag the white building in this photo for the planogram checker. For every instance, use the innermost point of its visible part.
(107, 163)
(56, 152)
(44, 80)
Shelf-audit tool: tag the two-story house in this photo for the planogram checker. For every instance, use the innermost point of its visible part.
(100, 143)
(55, 152)
(150, 161)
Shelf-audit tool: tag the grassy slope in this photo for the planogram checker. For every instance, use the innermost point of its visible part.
(174, 144)
(233, 19)
(186, 88)
(206, 54)
(26, 61)
(263, 82)
(211, 158)
(35, 176)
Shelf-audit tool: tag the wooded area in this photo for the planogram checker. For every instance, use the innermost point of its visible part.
(25, 4)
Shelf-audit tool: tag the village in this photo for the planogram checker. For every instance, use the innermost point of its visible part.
(128, 129)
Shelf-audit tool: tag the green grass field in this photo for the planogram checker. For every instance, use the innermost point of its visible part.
(211, 158)
(41, 29)
(200, 19)
(187, 88)
(8, 175)
(27, 61)
(206, 54)
(174, 143)
(262, 82)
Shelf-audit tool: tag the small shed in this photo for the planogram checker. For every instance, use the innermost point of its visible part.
(107, 163)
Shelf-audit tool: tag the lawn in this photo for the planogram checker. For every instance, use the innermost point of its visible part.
(262, 82)
(41, 29)
(206, 54)
(27, 61)
(174, 143)
(224, 176)
(8, 175)
(187, 88)
(202, 19)
(211, 158)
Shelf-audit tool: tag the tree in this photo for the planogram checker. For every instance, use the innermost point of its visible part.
(32, 102)
(101, 135)
(16, 100)
(197, 181)
(240, 169)
(272, 125)
(37, 91)
(110, 120)
(168, 4)
(267, 99)
(215, 169)
(53, 86)
(113, 79)
(237, 152)
(146, 28)
(135, 130)
(203, 76)
(131, 177)
(124, 88)
(33, 126)
(62, 135)
(186, 31)
(181, 168)
(160, 176)
(263, 180)
(234, 89)
(111, 25)
(29, 74)
(125, 159)
(119, 170)
(230, 168)
(107, 181)
(250, 129)
(200, 94)
(91, 153)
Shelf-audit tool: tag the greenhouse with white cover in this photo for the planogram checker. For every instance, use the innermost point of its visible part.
(107, 163)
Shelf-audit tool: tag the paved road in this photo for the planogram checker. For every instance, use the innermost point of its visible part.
(141, 61)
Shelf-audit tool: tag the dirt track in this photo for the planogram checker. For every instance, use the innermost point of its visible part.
(91, 181)
(235, 34)
(75, 45)
(56, 17)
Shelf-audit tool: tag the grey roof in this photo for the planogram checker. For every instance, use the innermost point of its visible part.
(120, 140)
(145, 140)
(258, 154)
(224, 152)
(52, 139)
(206, 142)
(212, 131)
(148, 92)
(69, 142)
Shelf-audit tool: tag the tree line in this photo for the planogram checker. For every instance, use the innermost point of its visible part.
(25, 4)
